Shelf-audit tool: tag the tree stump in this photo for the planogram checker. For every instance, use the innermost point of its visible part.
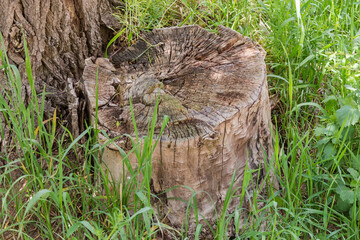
(213, 87)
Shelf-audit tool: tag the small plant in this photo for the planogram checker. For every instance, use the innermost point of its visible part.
(341, 127)
(348, 194)
(338, 145)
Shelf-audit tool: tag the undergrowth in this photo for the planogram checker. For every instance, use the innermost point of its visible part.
(313, 72)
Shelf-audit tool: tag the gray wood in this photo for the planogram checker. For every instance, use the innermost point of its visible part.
(212, 86)
(60, 36)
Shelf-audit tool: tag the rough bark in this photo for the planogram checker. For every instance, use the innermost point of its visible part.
(60, 35)
(214, 89)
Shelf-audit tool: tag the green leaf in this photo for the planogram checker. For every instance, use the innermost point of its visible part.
(143, 198)
(354, 173)
(349, 114)
(331, 104)
(89, 227)
(323, 141)
(351, 88)
(113, 40)
(314, 105)
(348, 101)
(72, 229)
(356, 162)
(329, 150)
(122, 233)
(342, 206)
(198, 231)
(329, 130)
(319, 131)
(354, 215)
(329, 98)
(353, 184)
(307, 59)
(357, 192)
(36, 198)
(345, 193)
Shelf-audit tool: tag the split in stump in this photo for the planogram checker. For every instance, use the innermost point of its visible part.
(213, 87)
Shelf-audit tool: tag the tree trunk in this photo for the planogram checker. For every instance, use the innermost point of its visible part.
(60, 35)
(214, 89)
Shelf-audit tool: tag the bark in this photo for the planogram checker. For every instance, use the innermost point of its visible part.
(60, 34)
(214, 89)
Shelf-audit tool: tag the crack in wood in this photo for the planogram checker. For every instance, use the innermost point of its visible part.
(214, 84)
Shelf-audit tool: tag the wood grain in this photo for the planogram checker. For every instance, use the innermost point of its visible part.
(213, 87)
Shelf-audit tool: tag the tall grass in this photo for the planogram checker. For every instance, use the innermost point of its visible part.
(49, 191)
(312, 46)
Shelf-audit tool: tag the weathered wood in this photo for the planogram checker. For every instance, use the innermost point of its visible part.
(214, 89)
(60, 36)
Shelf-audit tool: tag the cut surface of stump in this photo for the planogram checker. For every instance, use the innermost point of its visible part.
(213, 87)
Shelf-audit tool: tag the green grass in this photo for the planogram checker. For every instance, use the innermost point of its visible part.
(49, 184)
